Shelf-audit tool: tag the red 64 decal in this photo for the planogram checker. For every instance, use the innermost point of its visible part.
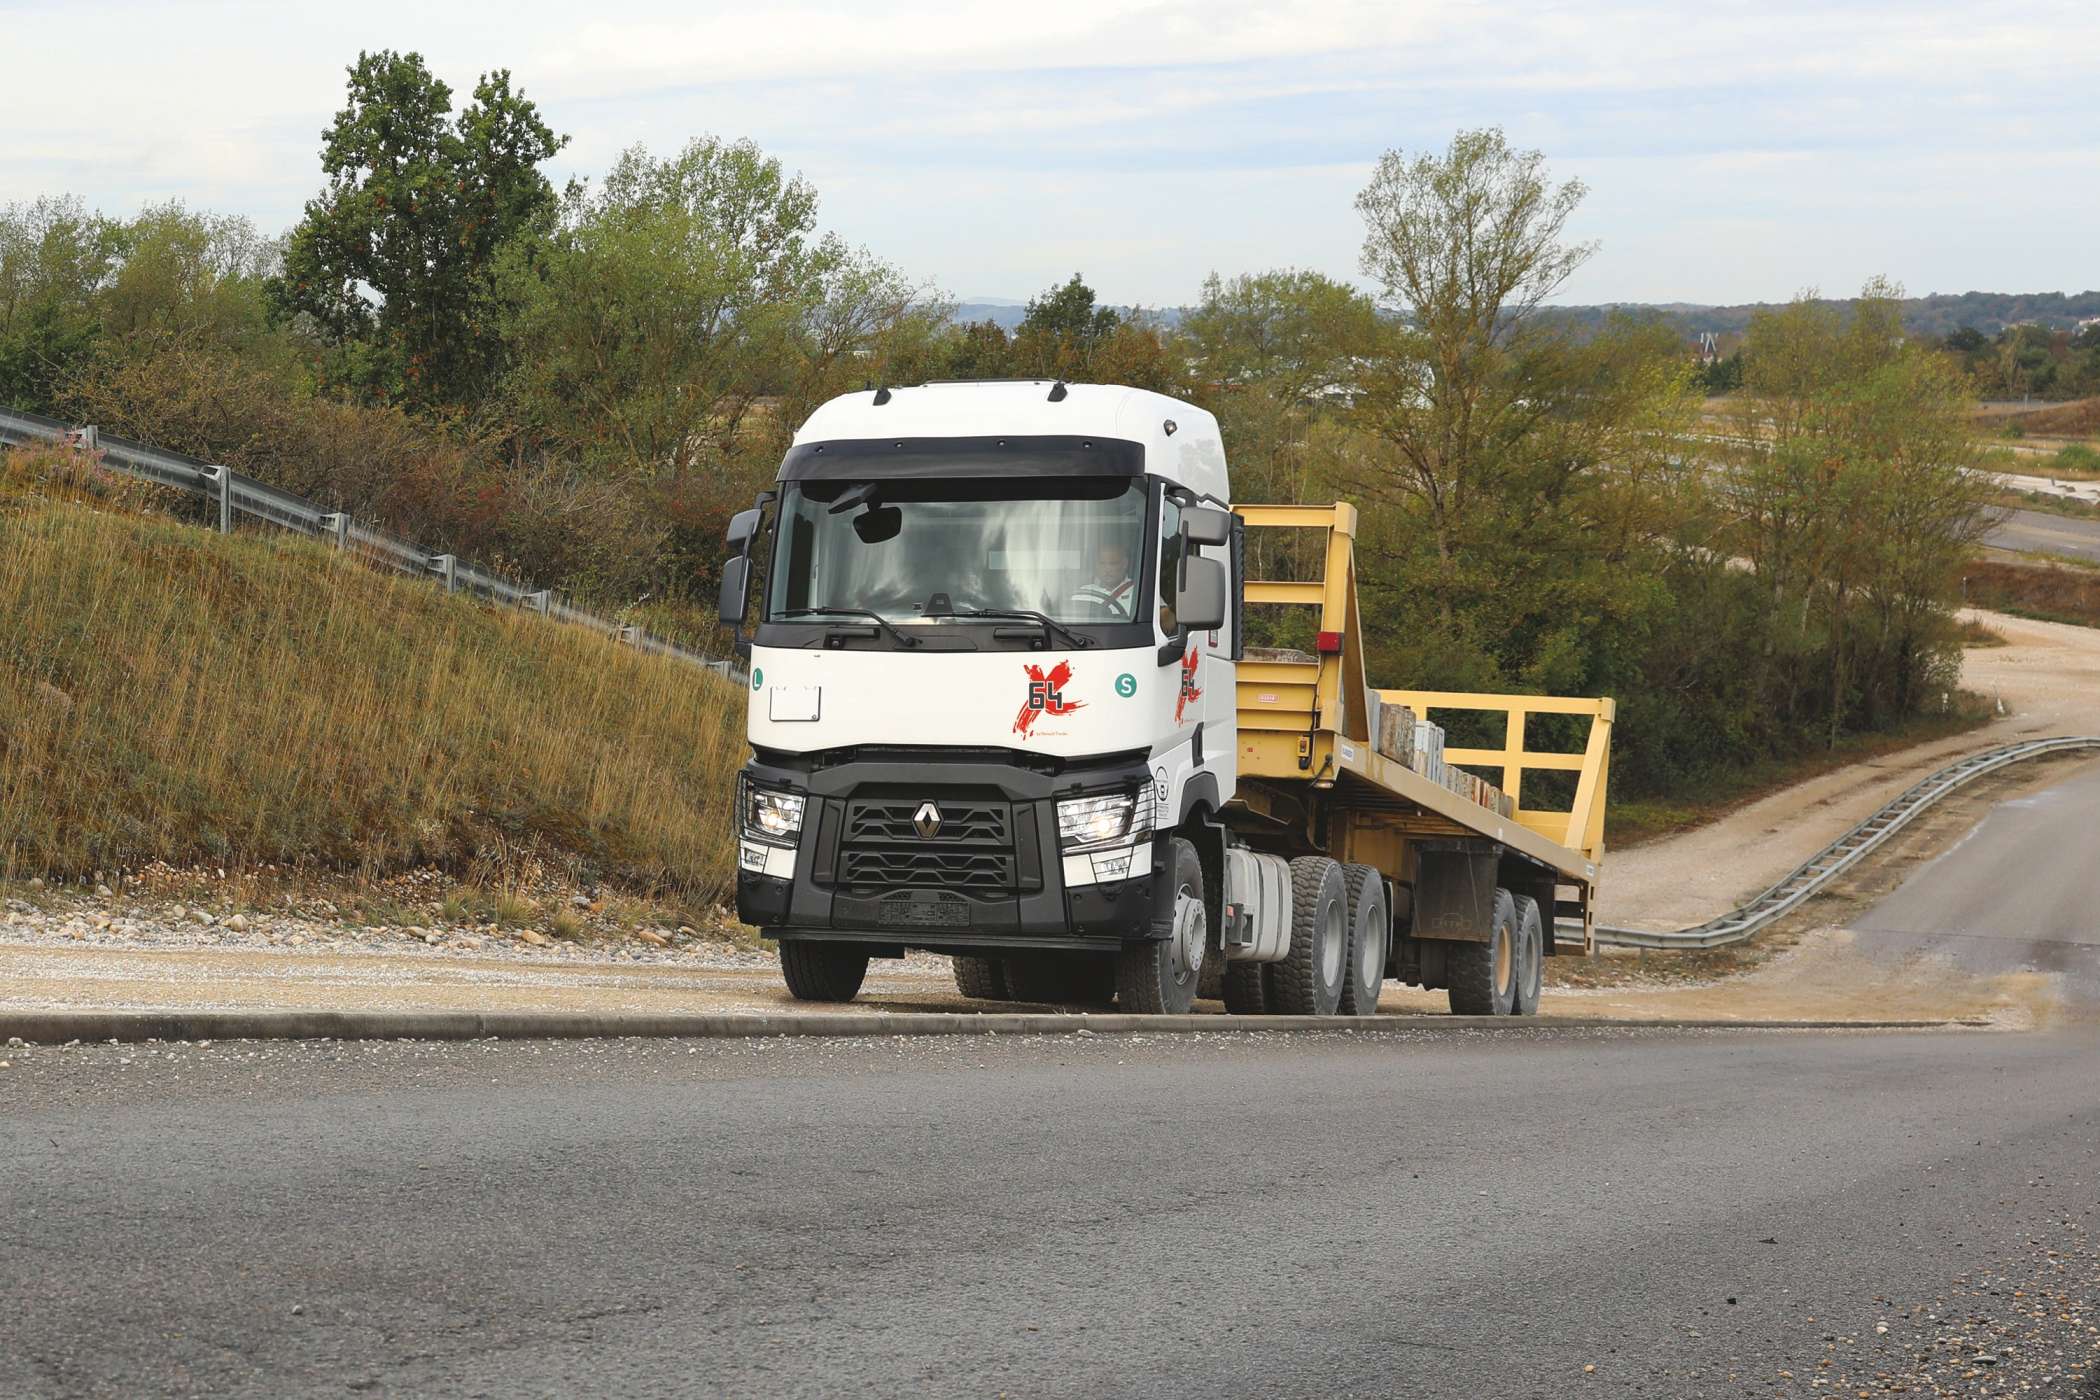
(1046, 696)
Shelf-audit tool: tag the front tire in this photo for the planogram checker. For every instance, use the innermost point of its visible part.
(1308, 982)
(1244, 988)
(1160, 975)
(1483, 976)
(822, 971)
(1531, 958)
(1369, 928)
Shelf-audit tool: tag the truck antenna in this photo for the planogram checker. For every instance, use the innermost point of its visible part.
(1057, 392)
(882, 396)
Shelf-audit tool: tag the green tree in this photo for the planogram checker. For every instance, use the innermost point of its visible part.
(1061, 329)
(390, 266)
(1298, 334)
(56, 259)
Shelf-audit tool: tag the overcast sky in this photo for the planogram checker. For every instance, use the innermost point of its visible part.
(1733, 152)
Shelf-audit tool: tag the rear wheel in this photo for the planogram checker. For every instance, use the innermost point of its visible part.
(1308, 982)
(1161, 974)
(1243, 989)
(1531, 958)
(1369, 927)
(1483, 976)
(822, 971)
(982, 978)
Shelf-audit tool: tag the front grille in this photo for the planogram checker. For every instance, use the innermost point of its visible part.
(970, 872)
(974, 852)
(962, 823)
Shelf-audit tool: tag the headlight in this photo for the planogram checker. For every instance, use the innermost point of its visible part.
(1085, 822)
(770, 814)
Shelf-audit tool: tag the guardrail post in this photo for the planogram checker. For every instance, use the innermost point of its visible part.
(338, 528)
(538, 601)
(629, 636)
(225, 484)
(448, 570)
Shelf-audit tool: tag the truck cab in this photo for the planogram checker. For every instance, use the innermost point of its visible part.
(992, 664)
(1001, 708)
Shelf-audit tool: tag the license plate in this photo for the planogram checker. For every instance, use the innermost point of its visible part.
(924, 914)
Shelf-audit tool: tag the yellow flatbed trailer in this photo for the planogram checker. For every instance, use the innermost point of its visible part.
(1311, 774)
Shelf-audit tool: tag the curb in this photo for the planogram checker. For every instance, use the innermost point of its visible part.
(59, 1027)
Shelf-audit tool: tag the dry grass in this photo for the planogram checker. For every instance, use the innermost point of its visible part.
(2041, 591)
(168, 694)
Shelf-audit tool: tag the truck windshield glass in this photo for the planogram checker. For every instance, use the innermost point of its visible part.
(1071, 549)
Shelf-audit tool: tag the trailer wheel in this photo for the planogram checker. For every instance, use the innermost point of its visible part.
(1161, 974)
(982, 978)
(1531, 958)
(822, 971)
(1308, 982)
(1244, 992)
(1369, 928)
(1483, 976)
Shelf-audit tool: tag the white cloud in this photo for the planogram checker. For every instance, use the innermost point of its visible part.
(1732, 150)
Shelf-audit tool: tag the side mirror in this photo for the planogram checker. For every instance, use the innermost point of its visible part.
(1203, 525)
(736, 588)
(743, 528)
(1200, 603)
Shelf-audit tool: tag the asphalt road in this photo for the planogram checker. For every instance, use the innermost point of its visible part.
(2021, 890)
(1528, 1212)
(2040, 532)
(1434, 1214)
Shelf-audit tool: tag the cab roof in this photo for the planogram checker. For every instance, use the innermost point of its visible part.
(1180, 441)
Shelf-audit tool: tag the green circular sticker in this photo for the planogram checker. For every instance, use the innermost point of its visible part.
(758, 678)
(1126, 685)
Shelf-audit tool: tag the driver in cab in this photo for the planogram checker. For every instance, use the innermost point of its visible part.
(1111, 588)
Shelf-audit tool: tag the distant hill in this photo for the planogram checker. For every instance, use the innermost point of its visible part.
(1939, 314)
(1988, 312)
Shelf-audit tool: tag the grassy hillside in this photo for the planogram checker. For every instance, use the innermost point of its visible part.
(169, 694)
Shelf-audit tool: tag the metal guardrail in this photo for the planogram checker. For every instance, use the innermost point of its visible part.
(1840, 855)
(236, 495)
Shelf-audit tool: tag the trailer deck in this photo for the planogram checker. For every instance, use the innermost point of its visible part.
(1309, 723)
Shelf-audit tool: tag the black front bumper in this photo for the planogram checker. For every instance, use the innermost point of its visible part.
(997, 883)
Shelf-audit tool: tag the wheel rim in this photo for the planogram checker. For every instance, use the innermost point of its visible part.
(1334, 945)
(1370, 958)
(1191, 932)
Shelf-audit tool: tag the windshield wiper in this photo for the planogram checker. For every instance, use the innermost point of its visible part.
(1050, 624)
(875, 617)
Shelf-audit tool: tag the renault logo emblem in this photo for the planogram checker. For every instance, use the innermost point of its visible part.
(927, 820)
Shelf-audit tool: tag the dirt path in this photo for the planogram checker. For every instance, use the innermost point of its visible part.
(2047, 675)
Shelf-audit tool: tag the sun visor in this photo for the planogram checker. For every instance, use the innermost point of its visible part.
(868, 459)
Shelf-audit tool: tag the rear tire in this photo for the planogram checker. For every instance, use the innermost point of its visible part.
(1244, 992)
(1160, 975)
(1308, 982)
(982, 978)
(1369, 929)
(1483, 976)
(1531, 958)
(822, 971)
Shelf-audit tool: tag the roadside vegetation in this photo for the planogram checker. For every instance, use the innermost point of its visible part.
(580, 386)
(2045, 592)
(171, 695)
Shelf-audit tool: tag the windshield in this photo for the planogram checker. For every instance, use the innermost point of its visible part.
(1068, 548)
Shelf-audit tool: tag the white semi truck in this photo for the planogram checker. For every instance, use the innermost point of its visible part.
(1002, 707)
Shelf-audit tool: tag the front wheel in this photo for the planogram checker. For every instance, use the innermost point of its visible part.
(822, 971)
(1160, 975)
(981, 978)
